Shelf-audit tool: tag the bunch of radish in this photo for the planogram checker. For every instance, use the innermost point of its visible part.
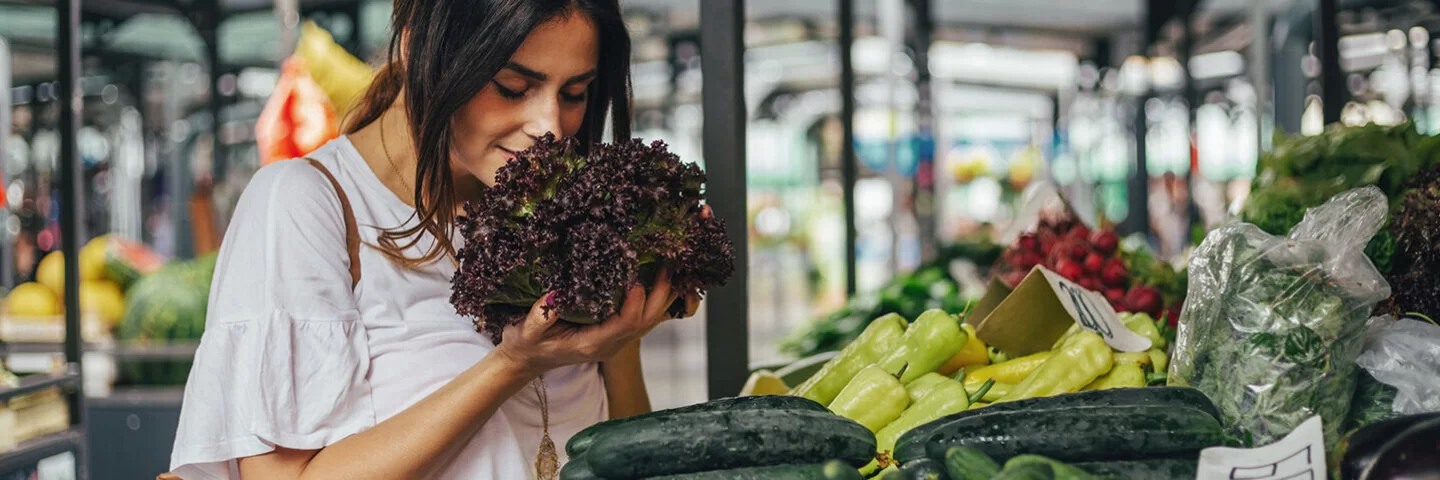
(1089, 258)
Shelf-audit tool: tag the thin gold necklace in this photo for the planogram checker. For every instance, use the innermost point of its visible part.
(547, 460)
(385, 146)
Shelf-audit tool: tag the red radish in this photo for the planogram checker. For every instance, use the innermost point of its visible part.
(1172, 312)
(1069, 270)
(1080, 231)
(1026, 260)
(1105, 241)
(1028, 242)
(1093, 262)
(1116, 296)
(1078, 250)
(1114, 273)
(1144, 299)
(1090, 283)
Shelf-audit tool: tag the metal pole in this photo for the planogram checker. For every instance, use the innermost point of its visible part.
(1327, 43)
(1259, 67)
(849, 170)
(722, 53)
(7, 257)
(923, 195)
(72, 196)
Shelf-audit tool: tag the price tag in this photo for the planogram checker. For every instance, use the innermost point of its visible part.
(1298, 456)
(1094, 313)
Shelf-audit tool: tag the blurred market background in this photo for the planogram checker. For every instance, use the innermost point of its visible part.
(932, 125)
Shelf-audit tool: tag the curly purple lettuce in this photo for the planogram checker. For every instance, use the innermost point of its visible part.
(586, 227)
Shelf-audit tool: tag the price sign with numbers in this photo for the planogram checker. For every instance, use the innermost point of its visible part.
(1094, 313)
(1298, 456)
(1041, 308)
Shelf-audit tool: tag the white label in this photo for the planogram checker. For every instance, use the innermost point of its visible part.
(1094, 313)
(59, 467)
(1298, 456)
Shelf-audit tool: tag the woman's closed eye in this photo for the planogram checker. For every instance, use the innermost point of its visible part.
(514, 94)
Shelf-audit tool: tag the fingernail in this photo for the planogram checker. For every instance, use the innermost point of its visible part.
(550, 299)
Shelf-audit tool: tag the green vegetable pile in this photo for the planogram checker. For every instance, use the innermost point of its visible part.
(908, 295)
(1303, 171)
(1273, 325)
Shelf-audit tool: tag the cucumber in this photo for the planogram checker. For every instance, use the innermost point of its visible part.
(577, 469)
(582, 441)
(1061, 470)
(1131, 432)
(725, 439)
(1162, 469)
(1029, 471)
(969, 464)
(831, 470)
(924, 469)
(911, 445)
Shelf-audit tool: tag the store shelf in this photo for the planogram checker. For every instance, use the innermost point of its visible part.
(38, 382)
(128, 352)
(34, 450)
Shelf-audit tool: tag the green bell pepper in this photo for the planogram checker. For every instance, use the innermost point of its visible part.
(931, 340)
(1079, 361)
(874, 398)
(881, 337)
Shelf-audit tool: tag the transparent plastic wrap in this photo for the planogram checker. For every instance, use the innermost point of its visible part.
(1272, 325)
(1405, 354)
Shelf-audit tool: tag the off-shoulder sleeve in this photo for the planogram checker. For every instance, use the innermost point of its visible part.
(283, 360)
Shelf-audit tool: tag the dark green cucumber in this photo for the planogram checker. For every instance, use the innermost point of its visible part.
(1061, 470)
(577, 469)
(725, 439)
(1029, 471)
(1130, 432)
(924, 469)
(831, 470)
(911, 445)
(1161, 469)
(581, 441)
(969, 464)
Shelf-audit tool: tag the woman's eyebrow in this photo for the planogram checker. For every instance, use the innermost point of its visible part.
(538, 76)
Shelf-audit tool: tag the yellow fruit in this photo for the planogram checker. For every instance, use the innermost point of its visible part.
(92, 258)
(764, 382)
(51, 272)
(104, 299)
(32, 300)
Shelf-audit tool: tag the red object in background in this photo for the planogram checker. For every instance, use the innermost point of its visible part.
(297, 119)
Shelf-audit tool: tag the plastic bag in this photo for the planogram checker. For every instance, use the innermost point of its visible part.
(1405, 354)
(1272, 326)
(298, 117)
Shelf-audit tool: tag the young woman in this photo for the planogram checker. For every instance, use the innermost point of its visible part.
(317, 365)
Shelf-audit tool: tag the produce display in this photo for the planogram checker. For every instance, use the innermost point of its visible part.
(1274, 324)
(108, 267)
(733, 438)
(1304, 171)
(581, 223)
(1130, 279)
(166, 306)
(906, 294)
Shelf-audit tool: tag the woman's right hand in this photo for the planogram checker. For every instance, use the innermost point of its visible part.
(542, 342)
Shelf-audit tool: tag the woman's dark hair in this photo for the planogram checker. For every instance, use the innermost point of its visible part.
(442, 52)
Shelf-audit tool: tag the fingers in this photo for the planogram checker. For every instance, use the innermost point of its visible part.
(540, 315)
(660, 297)
(633, 310)
(705, 212)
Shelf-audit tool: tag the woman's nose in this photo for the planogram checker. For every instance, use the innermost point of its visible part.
(543, 117)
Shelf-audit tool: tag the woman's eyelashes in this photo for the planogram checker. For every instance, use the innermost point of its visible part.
(513, 94)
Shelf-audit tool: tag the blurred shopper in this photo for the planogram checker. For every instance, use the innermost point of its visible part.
(331, 349)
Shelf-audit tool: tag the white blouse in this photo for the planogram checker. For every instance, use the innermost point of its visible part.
(292, 357)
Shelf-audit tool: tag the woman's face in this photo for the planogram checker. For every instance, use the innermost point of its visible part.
(542, 90)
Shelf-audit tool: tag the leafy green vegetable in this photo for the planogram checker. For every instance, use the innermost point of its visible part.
(1273, 325)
